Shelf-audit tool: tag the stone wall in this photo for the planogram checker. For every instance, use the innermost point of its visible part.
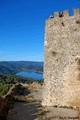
(62, 60)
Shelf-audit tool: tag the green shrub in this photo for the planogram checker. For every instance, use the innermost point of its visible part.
(4, 88)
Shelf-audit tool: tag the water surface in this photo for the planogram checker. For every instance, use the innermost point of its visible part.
(34, 75)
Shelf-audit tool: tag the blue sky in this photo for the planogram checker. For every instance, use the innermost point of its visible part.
(22, 25)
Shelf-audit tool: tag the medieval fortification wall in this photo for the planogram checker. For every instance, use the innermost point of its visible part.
(62, 60)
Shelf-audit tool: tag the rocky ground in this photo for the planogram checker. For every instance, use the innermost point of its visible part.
(29, 107)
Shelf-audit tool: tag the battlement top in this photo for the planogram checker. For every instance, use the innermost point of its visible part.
(65, 13)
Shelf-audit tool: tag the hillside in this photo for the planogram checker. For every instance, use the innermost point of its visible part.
(6, 71)
(11, 67)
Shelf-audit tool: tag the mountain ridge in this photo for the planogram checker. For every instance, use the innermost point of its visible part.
(12, 67)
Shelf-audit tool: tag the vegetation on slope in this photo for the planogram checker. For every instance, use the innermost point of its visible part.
(7, 81)
(4, 89)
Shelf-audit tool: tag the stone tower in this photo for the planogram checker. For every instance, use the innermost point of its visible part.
(62, 60)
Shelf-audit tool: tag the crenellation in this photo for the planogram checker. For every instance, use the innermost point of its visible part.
(77, 11)
(56, 14)
(66, 13)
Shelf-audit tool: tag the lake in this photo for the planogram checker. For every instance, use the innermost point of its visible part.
(34, 75)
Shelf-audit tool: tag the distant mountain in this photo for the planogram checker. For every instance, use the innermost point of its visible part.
(11, 67)
(6, 71)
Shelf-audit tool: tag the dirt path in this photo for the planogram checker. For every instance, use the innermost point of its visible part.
(23, 111)
(28, 111)
(62, 114)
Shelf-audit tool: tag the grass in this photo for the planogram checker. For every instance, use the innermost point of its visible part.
(4, 88)
(68, 107)
(22, 98)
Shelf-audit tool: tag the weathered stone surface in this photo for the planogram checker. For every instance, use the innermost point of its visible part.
(62, 60)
